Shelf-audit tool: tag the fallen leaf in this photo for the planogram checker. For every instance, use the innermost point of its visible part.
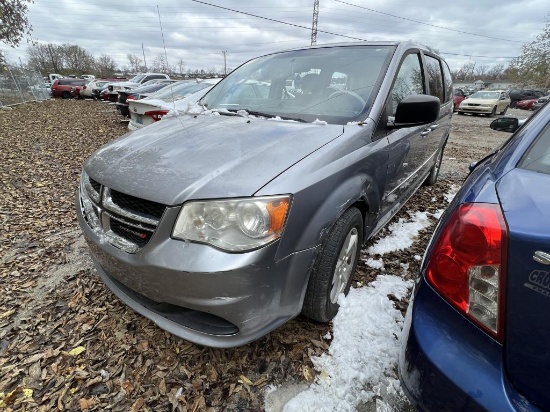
(77, 351)
(7, 313)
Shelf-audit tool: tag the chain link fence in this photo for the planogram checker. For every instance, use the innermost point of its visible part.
(18, 86)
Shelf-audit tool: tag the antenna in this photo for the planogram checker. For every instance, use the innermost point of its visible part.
(224, 62)
(171, 86)
(144, 61)
(314, 23)
(162, 34)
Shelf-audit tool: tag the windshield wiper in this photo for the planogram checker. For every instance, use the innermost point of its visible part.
(270, 116)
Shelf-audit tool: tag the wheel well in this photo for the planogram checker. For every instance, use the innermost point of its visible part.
(363, 207)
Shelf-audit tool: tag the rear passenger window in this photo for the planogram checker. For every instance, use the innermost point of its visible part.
(537, 157)
(435, 78)
(447, 78)
(408, 81)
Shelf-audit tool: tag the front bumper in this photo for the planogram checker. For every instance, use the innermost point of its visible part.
(199, 293)
(448, 364)
(475, 109)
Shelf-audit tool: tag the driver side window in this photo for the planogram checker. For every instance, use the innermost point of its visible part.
(408, 81)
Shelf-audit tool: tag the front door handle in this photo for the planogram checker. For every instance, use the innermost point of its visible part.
(425, 132)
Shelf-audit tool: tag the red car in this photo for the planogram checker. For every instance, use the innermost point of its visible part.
(62, 87)
(458, 96)
(526, 104)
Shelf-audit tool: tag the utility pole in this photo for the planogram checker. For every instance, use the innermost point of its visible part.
(314, 23)
(224, 62)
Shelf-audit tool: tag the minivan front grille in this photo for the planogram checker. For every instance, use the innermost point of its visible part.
(140, 206)
(125, 221)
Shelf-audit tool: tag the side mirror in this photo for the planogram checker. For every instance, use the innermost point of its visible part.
(505, 124)
(416, 109)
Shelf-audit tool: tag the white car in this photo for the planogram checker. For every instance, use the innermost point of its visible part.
(175, 97)
(136, 81)
(87, 90)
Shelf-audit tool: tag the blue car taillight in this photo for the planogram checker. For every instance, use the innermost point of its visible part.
(467, 264)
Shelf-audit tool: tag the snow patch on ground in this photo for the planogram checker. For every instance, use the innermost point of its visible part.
(402, 235)
(365, 347)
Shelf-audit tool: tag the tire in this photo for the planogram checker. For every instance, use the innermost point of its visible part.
(434, 171)
(461, 113)
(504, 111)
(66, 95)
(513, 104)
(334, 267)
(493, 112)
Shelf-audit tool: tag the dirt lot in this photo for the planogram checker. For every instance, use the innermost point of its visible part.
(67, 343)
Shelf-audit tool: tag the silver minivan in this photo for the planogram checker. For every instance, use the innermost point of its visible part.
(224, 222)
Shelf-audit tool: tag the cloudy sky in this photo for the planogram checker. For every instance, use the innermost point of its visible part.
(485, 31)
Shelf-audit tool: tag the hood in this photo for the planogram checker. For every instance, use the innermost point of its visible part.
(205, 156)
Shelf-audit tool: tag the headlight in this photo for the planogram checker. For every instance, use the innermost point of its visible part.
(234, 225)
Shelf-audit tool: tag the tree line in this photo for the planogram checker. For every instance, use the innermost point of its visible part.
(71, 59)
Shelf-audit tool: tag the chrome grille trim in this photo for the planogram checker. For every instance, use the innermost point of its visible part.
(90, 190)
(113, 207)
(132, 230)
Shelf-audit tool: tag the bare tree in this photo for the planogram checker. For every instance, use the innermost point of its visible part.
(481, 71)
(180, 66)
(135, 63)
(160, 64)
(533, 65)
(496, 72)
(77, 59)
(47, 58)
(105, 65)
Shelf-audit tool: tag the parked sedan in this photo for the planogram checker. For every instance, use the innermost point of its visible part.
(489, 102)
(476, 335)
(223, 223)
(540, 102)
(87, 91)
(526, 104)
(152, 109)
(137, 94)
(458, 97)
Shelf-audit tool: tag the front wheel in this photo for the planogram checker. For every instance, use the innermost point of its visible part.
(434, 172)
(66, 95)
(505, 110)
(493, 112)
(334, 267)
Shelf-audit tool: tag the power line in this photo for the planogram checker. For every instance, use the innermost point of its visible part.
(276, 21)
(342, 35)
(427, 24)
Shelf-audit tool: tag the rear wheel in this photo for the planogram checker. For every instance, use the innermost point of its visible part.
(334, 267)
(66, 95)
(461, 113)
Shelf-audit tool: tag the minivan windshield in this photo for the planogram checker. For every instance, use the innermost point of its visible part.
(137, 78)
(332, 84)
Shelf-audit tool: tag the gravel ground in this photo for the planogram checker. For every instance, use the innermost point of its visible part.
(67, 343)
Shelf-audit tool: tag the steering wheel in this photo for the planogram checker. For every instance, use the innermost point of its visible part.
(354, 95)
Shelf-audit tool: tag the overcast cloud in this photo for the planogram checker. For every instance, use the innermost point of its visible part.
(198, 32)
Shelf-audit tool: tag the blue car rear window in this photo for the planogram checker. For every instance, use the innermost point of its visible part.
(537, 158)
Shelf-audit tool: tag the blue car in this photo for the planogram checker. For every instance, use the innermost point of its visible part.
(477, 331)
